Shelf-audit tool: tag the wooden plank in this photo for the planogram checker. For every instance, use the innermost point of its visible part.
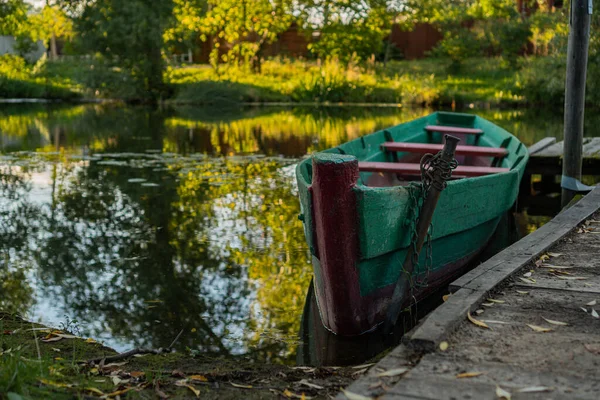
(441, 323)
(415, 169)
(541, 145)
(441, 371)
(453, 129)
(423, 148)
(520, 253)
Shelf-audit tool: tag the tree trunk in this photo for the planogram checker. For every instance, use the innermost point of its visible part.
(53, 48)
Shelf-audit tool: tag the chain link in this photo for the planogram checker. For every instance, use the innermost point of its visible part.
(418, 193)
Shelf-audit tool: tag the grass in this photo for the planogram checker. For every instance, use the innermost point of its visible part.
(31, 368)
(419, 82)
(19, 80)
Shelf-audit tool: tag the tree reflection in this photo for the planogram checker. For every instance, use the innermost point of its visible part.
(17, 217)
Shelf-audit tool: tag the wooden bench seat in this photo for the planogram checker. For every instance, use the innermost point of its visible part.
(453, 129)
(415, 169)
(424, 148)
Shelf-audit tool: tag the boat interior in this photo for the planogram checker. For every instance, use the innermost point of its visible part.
(404, 157)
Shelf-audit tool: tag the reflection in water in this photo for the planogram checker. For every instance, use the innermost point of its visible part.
(139, 223)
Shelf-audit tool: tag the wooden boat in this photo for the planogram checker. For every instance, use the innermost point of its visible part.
(357, 204)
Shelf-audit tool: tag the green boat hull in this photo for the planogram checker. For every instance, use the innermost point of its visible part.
(359, 235)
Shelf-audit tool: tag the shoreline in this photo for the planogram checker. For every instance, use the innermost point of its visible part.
(37, 361)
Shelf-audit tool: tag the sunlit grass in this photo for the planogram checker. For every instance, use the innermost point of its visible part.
(422, 82)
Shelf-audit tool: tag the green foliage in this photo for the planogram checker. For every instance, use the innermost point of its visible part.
(246, 26)
(128, 33)
(13, 16)
(20, 80)
(185, 27)
(347, 30)
(457, 45)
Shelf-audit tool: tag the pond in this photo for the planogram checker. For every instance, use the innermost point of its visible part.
(130, 225)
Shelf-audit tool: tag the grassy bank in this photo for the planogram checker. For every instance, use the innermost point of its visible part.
(38, 362)
(420, 82)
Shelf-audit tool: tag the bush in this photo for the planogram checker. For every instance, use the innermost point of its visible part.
(457, 45)
(543, 80)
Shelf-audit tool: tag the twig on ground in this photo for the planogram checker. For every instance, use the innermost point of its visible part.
(126, 354)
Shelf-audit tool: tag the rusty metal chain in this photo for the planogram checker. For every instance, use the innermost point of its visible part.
(418, 193)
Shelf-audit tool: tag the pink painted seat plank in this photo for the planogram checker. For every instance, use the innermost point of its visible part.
(423, 148)
(415, 169)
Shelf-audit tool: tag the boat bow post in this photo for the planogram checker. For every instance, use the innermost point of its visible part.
(336, 244)
(434, 181)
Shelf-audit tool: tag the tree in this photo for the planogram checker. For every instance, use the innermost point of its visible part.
(48, 24)
(129, 33)
(185, 27)
(246, 25)
(13, 15)
(346, 28)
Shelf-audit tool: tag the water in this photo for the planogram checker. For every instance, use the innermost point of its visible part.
(130, 225)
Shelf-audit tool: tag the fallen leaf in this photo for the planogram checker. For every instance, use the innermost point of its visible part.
(393, 372)
(569, 278)
(177, 374)
(199, 378)
(469, 375)
(527, 275)
(48, 382)
(444, 346)
(355, 396)
(237, 385)
(137, 374)
(487, 304)
(51, 339)
(555, 266)
(479, 312)
(90, 340)
(491, 321)
(522, 292)
(527, 280)
(555, 254)
(56, 350)
(595, 314)
(497, 301)
(502, 394)
(310, 385)
(445, 297)
(95, 391)
(359, 372)
(194, 390)
(591, 303)
(535, 389)
(593, 348)
(550, 321)
(584, 309)
(291, 395)
(118, 392)
(363, 366)
(476, 321)
(539, 328)
(545, 257)
(114, 365)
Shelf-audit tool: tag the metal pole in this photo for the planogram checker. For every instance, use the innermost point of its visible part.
(425, 217)
(577, 57)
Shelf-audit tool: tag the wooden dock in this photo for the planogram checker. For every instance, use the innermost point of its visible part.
(535, 332)
(545, 157)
